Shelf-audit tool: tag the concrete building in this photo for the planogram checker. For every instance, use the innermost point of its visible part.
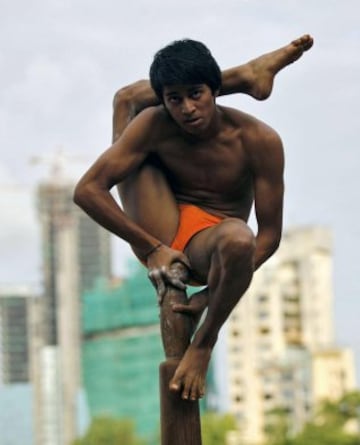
(333, 373)
(16, 418)
(16, 423)
(278, 344)
(15, 304)
(76, 253)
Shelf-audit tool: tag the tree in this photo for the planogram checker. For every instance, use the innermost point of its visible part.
(214, 428)
(331, 423)
(334, 423)
(110, 431)
(277, 427)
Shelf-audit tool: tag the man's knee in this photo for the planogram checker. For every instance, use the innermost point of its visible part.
(235, 242)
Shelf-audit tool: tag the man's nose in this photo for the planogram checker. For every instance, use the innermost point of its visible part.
(188, 106)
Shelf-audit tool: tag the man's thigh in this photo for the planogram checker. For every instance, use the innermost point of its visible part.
(148, 200)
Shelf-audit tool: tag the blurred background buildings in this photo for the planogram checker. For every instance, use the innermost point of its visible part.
(88, 344)
(76, 253)
(278, 348)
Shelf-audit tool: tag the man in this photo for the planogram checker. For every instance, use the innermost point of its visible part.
(188, 172)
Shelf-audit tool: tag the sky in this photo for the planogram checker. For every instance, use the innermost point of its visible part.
(61, 62)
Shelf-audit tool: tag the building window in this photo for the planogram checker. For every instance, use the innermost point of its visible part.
(238, 398)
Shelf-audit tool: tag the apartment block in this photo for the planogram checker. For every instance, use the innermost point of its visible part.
(278, 347)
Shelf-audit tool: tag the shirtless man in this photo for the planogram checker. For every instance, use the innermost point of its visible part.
(189, 171)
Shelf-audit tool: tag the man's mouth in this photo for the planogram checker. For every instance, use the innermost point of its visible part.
(194, 121)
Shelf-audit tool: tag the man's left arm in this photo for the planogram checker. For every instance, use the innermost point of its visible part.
(269, 193)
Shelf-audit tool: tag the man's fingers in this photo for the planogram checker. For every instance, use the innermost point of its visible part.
(158, 282)
(160, 278)
(152, 279)
(161, 290)
(176, 282)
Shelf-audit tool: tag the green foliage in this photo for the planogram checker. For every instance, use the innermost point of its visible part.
(214, 428)
(277, 428)
(324, 435)
(329, 426)
(110, 431)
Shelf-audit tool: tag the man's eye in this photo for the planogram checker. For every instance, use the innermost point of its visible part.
(174, 100)
(196, 94)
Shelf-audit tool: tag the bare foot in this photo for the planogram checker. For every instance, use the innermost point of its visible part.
(265, 67)
(190, 375)
(195, 306)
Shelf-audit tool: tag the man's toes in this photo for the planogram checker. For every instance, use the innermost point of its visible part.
(305, 42)
(201, 390)
(175, 385)
(188, 388)
(308, 43)
(195, 393)
(186, 393)
(198, 390)
(183, 308)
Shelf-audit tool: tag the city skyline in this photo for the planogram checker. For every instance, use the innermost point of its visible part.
(58, 86)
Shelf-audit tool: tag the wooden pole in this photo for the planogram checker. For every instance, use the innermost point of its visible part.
(180, 419)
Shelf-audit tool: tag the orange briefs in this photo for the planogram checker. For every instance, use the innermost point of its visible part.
(192, 220)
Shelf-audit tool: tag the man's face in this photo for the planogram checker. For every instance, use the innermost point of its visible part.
(191, 106)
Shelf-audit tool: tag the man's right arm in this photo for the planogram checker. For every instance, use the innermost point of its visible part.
(92, 194)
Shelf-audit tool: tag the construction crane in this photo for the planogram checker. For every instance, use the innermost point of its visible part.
(58, 162)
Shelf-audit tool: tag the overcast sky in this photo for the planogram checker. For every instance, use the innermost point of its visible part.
(61, 62)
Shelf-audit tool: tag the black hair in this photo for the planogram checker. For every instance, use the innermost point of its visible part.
(184, 62)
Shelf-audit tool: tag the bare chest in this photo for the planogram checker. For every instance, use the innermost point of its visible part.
(210, 168)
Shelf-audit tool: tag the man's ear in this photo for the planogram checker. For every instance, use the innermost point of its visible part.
(216, 93)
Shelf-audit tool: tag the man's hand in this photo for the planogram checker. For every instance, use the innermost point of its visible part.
(162, 272)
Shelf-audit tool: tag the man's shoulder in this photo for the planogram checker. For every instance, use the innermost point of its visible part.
(155, 114)
(154, 119)
(247, 122)
(257, 137)
(153, 124)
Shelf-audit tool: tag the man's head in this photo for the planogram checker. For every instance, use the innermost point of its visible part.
(184, 62)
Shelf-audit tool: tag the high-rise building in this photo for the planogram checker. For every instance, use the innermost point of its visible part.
(278, 342)
(76, 253)
(14, 334)
(16, 302)
(90, 247)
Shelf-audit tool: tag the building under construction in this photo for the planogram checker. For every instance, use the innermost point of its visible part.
(122, 350)
(75, 254)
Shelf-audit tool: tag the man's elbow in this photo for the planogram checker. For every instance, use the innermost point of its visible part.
(274, 244)
(81, 195)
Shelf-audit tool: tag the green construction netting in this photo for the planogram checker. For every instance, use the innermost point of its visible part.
(131, 303)
(121, 378)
